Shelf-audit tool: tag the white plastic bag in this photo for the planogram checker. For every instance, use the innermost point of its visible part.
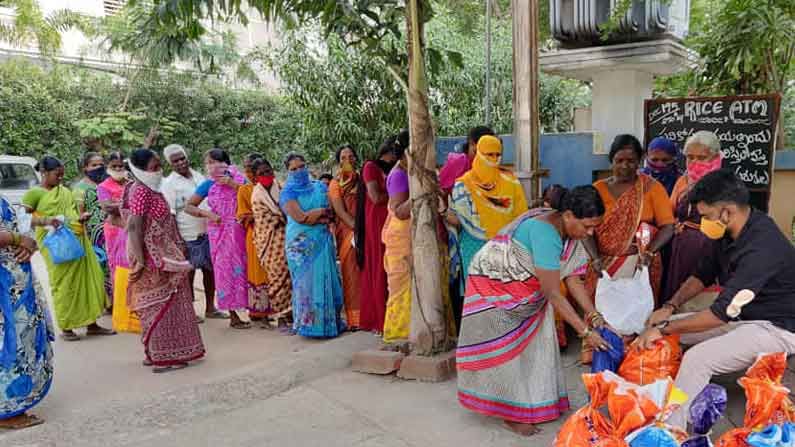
(626, 303)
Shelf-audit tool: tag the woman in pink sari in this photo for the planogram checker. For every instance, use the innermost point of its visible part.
(109, 194)
(227, 236)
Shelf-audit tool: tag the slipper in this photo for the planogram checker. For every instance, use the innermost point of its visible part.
(163, 369)
(100, 331)
(216, 315)
(23, 421)
(70, 336)
(240, 325)
(199, 320)
(147, 362)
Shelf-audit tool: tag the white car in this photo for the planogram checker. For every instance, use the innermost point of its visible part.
(17, 176)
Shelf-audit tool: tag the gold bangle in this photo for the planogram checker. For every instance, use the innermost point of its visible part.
(586, 333)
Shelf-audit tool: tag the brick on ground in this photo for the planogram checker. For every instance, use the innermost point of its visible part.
(437, 368)
(377, 362)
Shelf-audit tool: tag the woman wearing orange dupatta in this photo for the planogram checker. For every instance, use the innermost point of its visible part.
(633, 202)
(342, 195)
(258, 305)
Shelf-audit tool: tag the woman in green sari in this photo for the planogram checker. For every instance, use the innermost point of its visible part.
(78, 291)
(85, 192)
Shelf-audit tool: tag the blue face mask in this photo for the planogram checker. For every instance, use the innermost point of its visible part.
(299, 176)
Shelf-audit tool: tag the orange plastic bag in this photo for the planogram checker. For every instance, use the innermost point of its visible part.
(734, 438)
(643, 367)
(767, 400)
(588, 427)
(629, 408)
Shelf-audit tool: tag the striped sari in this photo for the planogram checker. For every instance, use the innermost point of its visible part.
(508, 360)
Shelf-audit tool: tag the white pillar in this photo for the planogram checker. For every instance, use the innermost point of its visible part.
(617, 102)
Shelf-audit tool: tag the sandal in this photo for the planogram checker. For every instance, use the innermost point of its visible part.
(163, 369)
(240, 325)
(147, 362)
(216, 315)
(69, 336)
(20, 422)
(99, 331)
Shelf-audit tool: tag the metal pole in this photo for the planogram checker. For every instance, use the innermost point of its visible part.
(487, 105)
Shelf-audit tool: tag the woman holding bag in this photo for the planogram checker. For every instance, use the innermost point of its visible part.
(508, 361)
(78, 290)
(634, 203)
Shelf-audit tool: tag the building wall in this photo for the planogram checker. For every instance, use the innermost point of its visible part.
(572, 161)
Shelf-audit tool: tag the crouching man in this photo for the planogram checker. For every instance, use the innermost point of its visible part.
(753, 258)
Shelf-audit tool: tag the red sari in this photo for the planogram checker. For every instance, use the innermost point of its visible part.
(162, 300)
(373, 276)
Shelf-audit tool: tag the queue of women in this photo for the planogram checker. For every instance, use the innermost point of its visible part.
(315, 260)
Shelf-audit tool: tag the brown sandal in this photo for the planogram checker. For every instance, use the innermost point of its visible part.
(20, 422)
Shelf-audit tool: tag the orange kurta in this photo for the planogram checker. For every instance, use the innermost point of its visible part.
(259, 304)
(347, 254)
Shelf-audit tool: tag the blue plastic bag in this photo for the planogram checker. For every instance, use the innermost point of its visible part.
(707, 407)
(698, 441)
(610, 359)
(102, 257)
(788, 435)
(63, 245)
(654, 437)
(769, 437)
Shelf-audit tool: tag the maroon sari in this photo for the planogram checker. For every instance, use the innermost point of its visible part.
(162, 300)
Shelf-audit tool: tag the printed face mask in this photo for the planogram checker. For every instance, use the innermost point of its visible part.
(698, 169)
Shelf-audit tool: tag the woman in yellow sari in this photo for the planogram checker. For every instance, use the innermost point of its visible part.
(485, 199)
(397, 256)
(78, 286)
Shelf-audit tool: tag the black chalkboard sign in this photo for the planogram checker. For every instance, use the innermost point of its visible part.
(745, 125)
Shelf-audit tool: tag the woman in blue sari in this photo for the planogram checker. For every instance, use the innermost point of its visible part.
(311, 255)
(25, 327)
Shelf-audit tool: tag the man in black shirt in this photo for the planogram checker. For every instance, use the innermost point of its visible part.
(751, 260)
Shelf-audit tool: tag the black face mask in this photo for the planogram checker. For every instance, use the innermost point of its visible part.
(386, 166)
(97, 175)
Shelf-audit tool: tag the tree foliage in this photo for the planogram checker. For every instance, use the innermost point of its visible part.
(745, 47)
(65, 111)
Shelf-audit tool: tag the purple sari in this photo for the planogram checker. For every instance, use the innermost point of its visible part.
(228, 246)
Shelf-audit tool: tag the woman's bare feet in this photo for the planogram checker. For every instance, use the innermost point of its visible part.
(24, 420)
(522, 429)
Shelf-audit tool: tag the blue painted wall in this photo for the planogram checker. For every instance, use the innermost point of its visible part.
(569, 156)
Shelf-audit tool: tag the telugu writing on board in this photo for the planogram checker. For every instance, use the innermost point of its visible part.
(745, 126)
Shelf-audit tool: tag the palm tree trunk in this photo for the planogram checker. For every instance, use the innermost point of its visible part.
(428, 323)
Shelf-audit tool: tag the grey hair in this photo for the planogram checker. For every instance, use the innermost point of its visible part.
(172, 149)
(292, 156)
(704, 138)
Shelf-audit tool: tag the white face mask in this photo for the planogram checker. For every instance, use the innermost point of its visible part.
(152, 180)
(118, 175)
